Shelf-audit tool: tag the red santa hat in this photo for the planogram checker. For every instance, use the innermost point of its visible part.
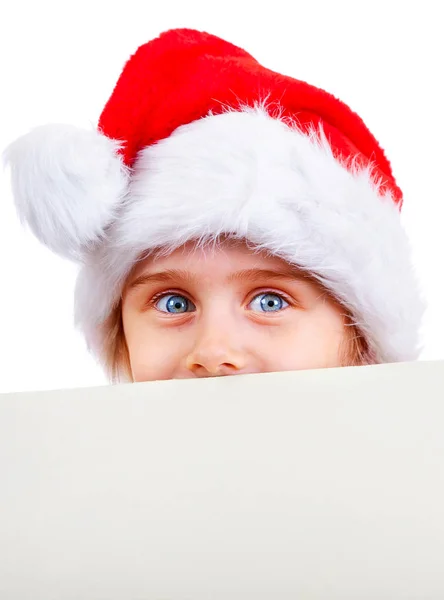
(199, 140)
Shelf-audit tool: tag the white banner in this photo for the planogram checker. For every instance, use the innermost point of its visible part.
(312, 485)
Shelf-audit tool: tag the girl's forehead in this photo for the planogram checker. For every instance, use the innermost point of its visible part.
(227, 254)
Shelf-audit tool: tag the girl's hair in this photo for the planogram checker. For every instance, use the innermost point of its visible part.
(116, 355)
(354, 350)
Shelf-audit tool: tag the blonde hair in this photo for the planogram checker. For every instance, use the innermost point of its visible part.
(116, 355)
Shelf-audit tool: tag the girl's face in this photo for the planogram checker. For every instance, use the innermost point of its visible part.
(224, 311)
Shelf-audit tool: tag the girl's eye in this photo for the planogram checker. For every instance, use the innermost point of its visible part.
(174, 303)
(268, 302)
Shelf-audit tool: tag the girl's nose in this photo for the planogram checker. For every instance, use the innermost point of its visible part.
(217, 351)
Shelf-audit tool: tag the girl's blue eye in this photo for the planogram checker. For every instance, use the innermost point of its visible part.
(174, 303)
(268, 302)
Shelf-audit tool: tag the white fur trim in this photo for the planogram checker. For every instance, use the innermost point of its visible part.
(251, 175)
(67, 183)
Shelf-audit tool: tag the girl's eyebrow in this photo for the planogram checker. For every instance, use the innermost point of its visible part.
(289, 273)
(162, 277)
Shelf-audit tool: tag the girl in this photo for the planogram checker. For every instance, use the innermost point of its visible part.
(227, 220)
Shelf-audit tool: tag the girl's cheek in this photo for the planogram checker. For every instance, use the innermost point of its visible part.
(152, 357)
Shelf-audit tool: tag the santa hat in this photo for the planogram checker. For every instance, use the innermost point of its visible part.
(199, 140)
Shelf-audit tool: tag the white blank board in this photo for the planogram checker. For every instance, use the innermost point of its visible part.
(312, 485)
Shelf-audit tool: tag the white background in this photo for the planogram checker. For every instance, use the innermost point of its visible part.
(60, 61)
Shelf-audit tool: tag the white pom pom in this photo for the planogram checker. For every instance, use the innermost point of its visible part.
(67, 184)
